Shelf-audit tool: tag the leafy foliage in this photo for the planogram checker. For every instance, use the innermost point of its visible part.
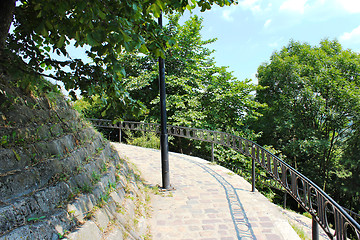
(144, 139)
(43, 30)
(313, 98)
(199, 93)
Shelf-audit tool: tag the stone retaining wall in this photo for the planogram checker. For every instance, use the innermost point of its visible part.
(59, 178)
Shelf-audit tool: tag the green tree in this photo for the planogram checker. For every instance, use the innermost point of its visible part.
(229, 104)
(199, 93)
(313, 100)
(351, 185)
(43, 29)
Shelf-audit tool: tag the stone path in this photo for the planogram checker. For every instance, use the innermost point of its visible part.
(209, 201)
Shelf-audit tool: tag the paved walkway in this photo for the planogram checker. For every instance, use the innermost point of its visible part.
(209, 201)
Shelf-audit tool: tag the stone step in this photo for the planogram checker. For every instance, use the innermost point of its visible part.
(17, 137)
(118, 218)
(45, 201)
(52, 227)
(46, 207)
(31, 178)
(15, 212)
(57, 174)
(41, 203)
(20, 157)
(24, 116)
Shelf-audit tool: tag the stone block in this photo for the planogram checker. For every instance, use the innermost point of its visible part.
(116, 234)
(102, 218)
(88, 231)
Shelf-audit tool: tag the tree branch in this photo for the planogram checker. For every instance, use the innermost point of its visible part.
(6, 15)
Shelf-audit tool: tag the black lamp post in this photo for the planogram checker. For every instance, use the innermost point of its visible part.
(164, 135)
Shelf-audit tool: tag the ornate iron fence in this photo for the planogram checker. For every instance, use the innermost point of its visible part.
(334, 220)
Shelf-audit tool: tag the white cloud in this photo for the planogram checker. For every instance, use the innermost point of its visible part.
(273, 44)
(351, 6)
(252, 5)
(353, 36)
(227, 13)
(297, 6)
(267, 23)
(321, 2)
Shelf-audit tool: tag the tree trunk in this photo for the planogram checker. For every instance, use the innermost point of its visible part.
(6, 15)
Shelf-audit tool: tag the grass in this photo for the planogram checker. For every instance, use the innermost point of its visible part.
(147, 235)
(104, 198)
(146, 139)
(35, 219)
(95, 177)
(120, 209)
(103, 168)
(79, 169)
(91, 213)
(86, 188)
(300, 232)
(308, 215)
(62, 235)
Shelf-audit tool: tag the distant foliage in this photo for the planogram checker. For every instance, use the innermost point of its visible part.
(199, 93)
(144, 139)
(313, 98)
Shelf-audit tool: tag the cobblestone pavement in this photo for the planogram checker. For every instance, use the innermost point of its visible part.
(209, 201)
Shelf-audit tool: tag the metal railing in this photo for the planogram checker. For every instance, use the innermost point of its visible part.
(334, 220)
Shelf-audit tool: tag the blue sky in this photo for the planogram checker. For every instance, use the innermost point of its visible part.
(249, 32)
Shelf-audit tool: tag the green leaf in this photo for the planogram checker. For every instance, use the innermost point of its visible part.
(49, 25)
(134, 7)
(172, 42)
(37, 7)
(43, 30)
(162, 54)
(159, 53)
(123, 72)
(126, 37)
(128, 47)
(143, 49)
(90, 40)
(17, 156)
(155, 9)
(72, 65)
(61, 42)
(79, 38)
(160, 4)
(101, 14)
(118, 68)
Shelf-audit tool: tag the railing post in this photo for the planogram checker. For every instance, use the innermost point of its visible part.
(119, 134)
(212, 152)
(252, 174)
(315, 229)
(253, 168)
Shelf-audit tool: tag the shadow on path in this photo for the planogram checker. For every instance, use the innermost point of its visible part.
(240, 220)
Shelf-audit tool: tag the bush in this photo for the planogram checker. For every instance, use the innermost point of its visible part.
(146, 139)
